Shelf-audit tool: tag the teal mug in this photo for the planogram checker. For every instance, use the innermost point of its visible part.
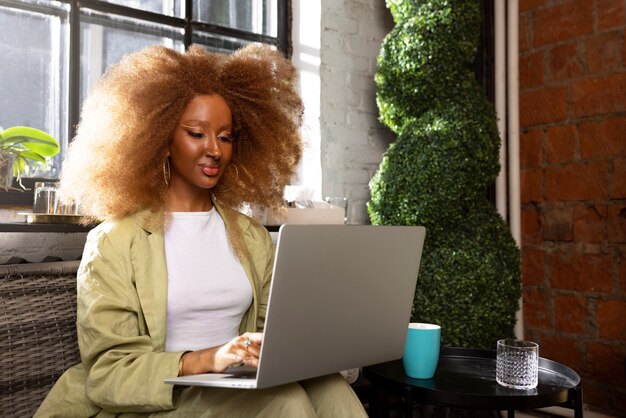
(421, 350)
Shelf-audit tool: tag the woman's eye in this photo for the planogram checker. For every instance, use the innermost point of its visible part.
(225, 138)
(194, 134)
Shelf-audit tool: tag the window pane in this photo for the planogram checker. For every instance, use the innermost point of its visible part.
(105, 39)
(218, 43)
(258, 16)
(34, 73)
(35, 43)
(163, 7)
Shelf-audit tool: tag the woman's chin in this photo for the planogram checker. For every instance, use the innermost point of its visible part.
(212, 182)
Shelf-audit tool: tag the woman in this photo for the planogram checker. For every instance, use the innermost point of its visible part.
(175, 280)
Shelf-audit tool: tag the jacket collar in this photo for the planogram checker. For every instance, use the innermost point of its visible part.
(143, 218)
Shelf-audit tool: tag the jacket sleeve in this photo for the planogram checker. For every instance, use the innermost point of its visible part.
(124, 371)
(266, 279)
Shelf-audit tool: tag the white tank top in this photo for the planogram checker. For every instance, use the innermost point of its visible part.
(208, 291)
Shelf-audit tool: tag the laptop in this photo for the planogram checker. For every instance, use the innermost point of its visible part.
(341, 298)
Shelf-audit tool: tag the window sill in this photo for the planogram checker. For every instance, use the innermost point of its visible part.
(18, 196)
(27, 227)
(32, 227)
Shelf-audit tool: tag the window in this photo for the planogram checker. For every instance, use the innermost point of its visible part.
(53, 51)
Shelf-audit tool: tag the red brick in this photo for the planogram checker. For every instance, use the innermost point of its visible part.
(599, 96)
(561, 144)
(525, 28)
(598, 396)
(617, 405)
(531, 70)
(525, 5)
(590, 223)
(571, 314)
(565, 63)
(622, 270)
(610, 14)
(623, 48)
(533, 267)
(558, 223)
(618, 179)
(531, 226)
(530, 147)
(603, 138)
(531, 180)
(567, 351)
(536, 309)
(544, 105)
(606, 364)
(586, 181)
(582, 272)
(611, 319)
(616, 223)
(535, 335)
(603, 52)
(563, 21)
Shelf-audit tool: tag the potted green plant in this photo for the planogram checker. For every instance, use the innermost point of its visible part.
(18, 145)
(437, 171)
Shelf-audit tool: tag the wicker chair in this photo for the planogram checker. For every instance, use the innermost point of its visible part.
(37, 332)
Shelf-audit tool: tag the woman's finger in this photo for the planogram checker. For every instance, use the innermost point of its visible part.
(251, 361)
(250, 348)
(247, 343)
(252, 342)
(253, 337)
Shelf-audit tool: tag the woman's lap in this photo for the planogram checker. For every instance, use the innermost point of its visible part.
(327, 396)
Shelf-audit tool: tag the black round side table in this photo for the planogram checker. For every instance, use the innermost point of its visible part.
(466, 378)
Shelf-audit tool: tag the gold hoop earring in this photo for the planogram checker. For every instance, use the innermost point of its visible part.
(236, 180)
(236, 172)
(167, 172)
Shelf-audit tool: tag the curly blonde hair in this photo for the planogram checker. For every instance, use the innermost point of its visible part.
(114, 166)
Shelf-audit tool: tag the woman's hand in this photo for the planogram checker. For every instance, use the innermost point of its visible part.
(244, 349)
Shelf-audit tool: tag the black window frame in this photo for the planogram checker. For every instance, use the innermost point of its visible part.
(282, 41)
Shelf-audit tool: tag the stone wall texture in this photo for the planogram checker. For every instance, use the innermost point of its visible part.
(573, 180)
(353, 140)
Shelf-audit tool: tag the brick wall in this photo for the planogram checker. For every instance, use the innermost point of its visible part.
(573, 180)
(353, 141)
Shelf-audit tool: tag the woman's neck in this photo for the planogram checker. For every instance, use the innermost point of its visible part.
(184, 202)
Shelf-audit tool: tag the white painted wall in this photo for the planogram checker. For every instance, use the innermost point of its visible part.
(34, 247)
(352, 139)
(335, 45)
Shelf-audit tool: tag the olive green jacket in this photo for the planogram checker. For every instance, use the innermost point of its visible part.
(121, 319)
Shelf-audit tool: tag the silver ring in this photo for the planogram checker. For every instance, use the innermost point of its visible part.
(247, 342)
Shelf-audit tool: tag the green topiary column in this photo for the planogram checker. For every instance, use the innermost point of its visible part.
(437, 171)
